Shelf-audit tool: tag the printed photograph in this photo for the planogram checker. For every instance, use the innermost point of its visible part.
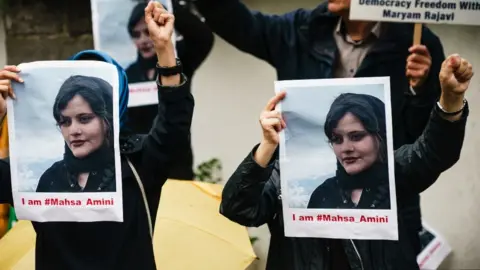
(336, 147)
(63, 128)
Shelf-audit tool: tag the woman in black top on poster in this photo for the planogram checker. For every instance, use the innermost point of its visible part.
(356, 129)
(121, 245)
(83, 110)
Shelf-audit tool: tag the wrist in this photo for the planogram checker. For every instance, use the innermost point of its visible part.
(166, 55)
(264, 153)
(268, 145)
(451, 103)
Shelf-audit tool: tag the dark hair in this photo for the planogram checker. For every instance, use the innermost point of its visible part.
(368, 109)
(138, 12)
(96, 92)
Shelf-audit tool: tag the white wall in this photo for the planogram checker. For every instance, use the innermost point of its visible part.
(451, 205)
(232, 87)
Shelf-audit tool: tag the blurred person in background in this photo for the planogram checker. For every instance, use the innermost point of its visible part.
(193, 44)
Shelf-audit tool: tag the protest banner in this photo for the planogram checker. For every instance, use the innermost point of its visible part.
(64, 142)
(338, 137)
(119, 30)
(417, 11)
(435, 248)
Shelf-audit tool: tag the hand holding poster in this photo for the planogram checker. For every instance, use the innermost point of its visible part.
(119, 29)
(338, 137)
(64, 142)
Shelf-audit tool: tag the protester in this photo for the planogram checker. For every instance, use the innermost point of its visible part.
(127, 244)
(193, 46)
(252, 195)
(325, 43)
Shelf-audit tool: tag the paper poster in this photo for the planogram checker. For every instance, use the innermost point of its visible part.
(435, 249)
(64, 142)
(337, 147)
(417, 11)
(119, 30)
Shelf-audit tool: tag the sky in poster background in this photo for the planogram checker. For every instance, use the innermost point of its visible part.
(38, 141)
(310, 157)
(110, 18)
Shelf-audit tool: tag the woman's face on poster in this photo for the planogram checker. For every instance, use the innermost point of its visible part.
(354, 147)
(142, 40)
(82, 130)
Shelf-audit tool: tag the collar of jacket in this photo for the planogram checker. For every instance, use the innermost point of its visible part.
(318, 29)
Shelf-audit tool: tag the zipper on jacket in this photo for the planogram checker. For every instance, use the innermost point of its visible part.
(358, 253)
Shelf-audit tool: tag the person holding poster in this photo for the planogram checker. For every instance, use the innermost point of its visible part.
(193, 48)
(253, 196)
(144, 164)
(119, 29)
(324, 43)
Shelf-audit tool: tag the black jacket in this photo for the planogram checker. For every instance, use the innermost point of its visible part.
(252, 197)
(194, 47)
(119, 245)
(301, 45)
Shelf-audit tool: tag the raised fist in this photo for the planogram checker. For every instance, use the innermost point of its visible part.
(455, 75)
(160, 24)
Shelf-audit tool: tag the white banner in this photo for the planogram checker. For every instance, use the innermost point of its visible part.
(435, 249)
(64, 142)
(119, 30)
(417, 11)
(344, 120)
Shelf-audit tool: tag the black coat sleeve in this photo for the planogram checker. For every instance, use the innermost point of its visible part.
(250, 196)
(170, 131)
(5, 183)
(267, 37)
(418, 165)
(197, 39)
(418, 107)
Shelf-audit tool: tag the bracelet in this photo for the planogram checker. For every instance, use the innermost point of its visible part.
(444, 112)
(170, 71)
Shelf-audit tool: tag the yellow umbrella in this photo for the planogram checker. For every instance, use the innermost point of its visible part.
(190, 233)
(17, 247)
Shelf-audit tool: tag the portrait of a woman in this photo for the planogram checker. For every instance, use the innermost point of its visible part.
(83, 111)
(356, 130)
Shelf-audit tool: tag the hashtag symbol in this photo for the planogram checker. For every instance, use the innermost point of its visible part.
(47, 201)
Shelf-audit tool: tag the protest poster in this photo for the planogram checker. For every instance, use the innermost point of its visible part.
(119, 30)
(64, 142)
(336, 147)
(435, 248)
(417, 11)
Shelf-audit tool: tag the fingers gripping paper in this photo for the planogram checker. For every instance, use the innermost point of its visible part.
(64, 142)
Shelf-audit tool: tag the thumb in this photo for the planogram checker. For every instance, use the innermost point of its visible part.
(148, 12)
